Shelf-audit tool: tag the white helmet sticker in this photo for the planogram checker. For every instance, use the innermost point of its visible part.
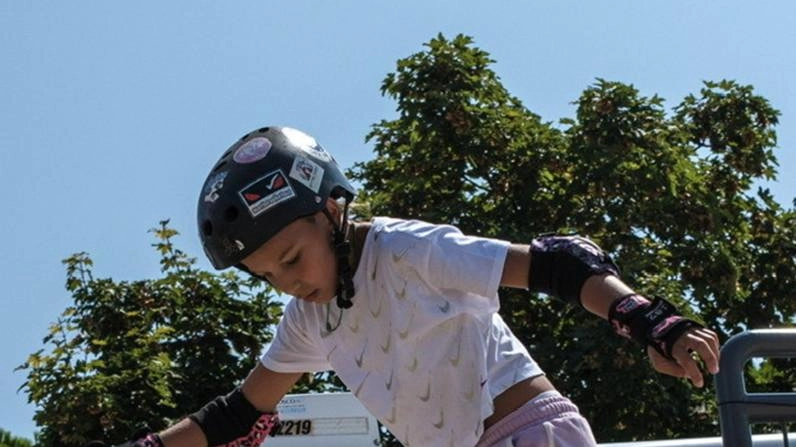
(307, 172)
(214, 186)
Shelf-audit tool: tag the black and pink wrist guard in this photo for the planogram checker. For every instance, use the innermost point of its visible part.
(657, 323)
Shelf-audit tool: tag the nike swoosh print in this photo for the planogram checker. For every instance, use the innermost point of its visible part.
(470, 394)
(427, 395)
(455, 360)
(388, 383)
(405, 333)
(391, 419)
(361, 384)
(441, 422)
(413, 366)
(385, 349)
(358, 359)
(396, 258)
(402, 294)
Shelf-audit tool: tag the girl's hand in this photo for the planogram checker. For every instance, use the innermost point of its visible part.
(696, 347)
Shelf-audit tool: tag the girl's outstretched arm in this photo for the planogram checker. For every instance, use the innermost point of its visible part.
(583, 267)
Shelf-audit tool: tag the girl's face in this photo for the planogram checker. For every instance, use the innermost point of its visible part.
(299, 260)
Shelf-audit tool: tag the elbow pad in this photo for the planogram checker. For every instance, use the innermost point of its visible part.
(232, 421)
(560, 265)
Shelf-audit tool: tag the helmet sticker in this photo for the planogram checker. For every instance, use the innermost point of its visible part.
(266, 192)
(307, 172)
(253, 150)
(231, 247)
(307, 144)
(214, 185)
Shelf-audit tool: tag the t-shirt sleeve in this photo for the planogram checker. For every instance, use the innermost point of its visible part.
(450, 260)
(292, 349)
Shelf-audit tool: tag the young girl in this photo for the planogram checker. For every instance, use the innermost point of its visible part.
(405, 312)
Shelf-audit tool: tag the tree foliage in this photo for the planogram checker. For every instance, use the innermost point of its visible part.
(144, 352)
(9, 440)
(671, 194)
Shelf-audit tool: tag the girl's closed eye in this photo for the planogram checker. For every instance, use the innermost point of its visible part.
(294, 259)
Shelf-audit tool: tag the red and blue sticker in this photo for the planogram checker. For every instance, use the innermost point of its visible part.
(267, 192)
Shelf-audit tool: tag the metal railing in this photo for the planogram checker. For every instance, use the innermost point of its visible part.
(738, 409)
(769, 440)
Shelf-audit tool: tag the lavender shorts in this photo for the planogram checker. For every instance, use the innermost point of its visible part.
(548, 420)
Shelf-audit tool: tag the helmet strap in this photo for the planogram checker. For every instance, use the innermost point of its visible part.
(342, 248)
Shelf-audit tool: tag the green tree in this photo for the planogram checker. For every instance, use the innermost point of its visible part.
(144, 352)
(9, 440)
(670, 195)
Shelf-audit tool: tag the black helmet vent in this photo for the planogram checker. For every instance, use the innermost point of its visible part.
(220, 165)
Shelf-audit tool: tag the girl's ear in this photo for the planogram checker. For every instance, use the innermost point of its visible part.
(333, 208)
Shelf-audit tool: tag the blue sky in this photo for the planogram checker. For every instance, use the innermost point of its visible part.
(112, 113)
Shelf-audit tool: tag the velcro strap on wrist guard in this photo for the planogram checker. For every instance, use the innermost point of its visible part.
(560, 265)
(657, 323)
(232, 421)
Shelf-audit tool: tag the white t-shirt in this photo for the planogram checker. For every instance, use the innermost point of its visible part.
(422, 347)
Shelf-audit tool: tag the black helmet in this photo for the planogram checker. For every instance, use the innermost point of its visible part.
(262, 183)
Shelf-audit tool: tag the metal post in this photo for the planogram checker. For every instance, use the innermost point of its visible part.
(737, 408)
